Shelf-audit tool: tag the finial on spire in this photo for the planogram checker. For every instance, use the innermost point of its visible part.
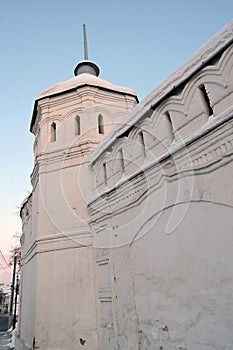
(86, 66)
(85, 42)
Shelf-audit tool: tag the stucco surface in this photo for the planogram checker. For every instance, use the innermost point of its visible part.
(127, 234)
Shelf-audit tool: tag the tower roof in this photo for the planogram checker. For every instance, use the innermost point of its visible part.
(83, 79)
(86, 74)
(79, 81)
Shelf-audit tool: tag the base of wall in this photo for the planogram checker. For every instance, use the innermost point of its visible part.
(20, 344)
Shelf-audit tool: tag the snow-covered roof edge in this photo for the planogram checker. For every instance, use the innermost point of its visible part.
(198, 60)
(78, 82)
(82, 80)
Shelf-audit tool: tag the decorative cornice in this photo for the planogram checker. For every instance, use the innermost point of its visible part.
(61, 156)
(190, 157)
(60, 241)
(76, 83)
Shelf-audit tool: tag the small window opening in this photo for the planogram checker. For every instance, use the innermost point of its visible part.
(170, 129)
(122, 163)
(53, 132)
(142, 143)
(105, 173)
(77, 125)
(100, 124)
(206, 100)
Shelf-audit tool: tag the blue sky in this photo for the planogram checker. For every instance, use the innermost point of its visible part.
(135, 43)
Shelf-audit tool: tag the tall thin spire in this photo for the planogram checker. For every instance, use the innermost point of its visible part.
(85, 42)
(86, 66)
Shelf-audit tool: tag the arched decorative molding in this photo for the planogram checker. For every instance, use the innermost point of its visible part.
(148, 126)
(123, 143)
(229, 75)
(75, 111)
(173, 105)
(206, 76)
(179, 105)
(121, 155)
(92, 111)
(225, 63)
(167, 119)
(95, 110)
(57, 118)
(105, 157)
(134, 132)
(155, 144)
(102, 171)
(136, 135)
(148, 131)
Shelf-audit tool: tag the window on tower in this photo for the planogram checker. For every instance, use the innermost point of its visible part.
(77, 125)
(100, 124)
(53, 132)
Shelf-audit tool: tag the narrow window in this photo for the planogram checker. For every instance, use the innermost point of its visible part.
(105, 173)
(53, 132)
(77, 125)
(142, 143)
(100, 124)
(206, 100)
(170, 130)
(122, 163)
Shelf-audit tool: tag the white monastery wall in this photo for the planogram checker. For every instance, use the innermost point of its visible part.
(66, 310)
(161, 214)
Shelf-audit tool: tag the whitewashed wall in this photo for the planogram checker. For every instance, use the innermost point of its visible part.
(58, 292)
(127, 244)
(161, 213)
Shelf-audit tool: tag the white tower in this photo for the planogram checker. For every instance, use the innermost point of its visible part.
(57, 290)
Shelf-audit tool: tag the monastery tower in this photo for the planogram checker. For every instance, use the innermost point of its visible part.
(69, 119)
